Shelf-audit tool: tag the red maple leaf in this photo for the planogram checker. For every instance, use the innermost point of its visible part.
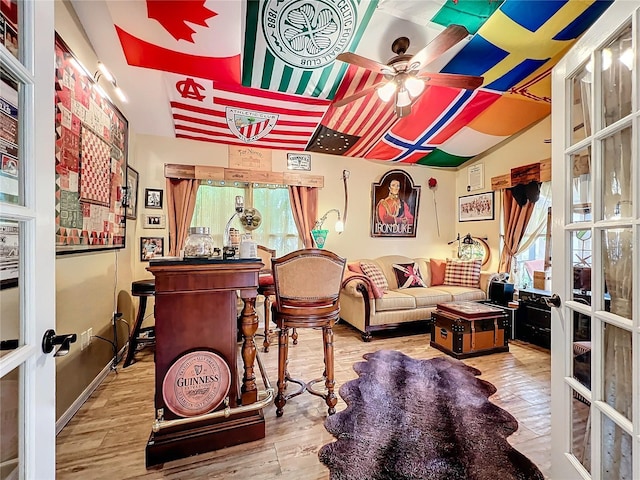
(173, 15)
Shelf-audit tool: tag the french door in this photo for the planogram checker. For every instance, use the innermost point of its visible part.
(595, 356)
(27, 239)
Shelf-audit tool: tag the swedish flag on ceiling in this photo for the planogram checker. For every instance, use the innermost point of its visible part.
(521, 36)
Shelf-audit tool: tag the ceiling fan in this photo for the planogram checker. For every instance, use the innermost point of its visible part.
(404, 79)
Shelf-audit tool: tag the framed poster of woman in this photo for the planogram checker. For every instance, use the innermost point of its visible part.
(394, 206)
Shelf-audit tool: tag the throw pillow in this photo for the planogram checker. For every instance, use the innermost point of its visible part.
(408, 275)
(355, 267)
(375, 274)
(463, 273)
(438, 269)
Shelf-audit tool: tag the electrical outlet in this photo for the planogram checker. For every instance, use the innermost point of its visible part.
(89, 336)
(83, 340)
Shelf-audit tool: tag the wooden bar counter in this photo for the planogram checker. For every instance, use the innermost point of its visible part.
(203, 399)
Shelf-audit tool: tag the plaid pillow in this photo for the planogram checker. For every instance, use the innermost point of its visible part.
(463, 273)
(408, 275)
(375, 274)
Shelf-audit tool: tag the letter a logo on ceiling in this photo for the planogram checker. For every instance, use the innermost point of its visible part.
(250, 126)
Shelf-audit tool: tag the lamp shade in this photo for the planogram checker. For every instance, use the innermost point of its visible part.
(403, 99)
(386, 92)
(414, 85)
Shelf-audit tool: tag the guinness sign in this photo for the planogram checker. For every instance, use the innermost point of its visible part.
(196, 383)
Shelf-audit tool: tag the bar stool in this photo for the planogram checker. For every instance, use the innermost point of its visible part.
(143, 337)
(307, 287)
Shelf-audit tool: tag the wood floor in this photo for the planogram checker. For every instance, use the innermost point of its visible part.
(106, 439)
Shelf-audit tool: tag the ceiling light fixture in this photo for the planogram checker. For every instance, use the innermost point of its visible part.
(103, 71)
(405, 88)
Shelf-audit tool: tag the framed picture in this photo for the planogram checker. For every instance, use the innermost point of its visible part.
(151, 247)
(91, 137)
(394, 205)
(299, 161)
(132, 193)
(154, 221)
(152, 198)
(476, 207)
(9, 254)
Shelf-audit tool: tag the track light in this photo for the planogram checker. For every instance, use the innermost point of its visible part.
(103, 71)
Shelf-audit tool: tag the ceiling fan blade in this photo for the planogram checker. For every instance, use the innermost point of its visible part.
(436, 47)
(468, 82)
(343, 101)
(360, 61)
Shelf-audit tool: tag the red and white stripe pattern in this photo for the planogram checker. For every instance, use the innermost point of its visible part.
(368, 117)
(254, 129)
(199, 112)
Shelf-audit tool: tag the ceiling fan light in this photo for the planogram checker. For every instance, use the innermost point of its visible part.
(414, 85)
(386, 92)
(403, 99)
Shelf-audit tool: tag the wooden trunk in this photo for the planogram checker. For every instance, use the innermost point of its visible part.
(462, 338)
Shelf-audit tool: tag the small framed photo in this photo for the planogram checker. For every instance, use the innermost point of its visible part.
(299, 161)
(131, 198)
(154, 221)
(472, 208)
(153, 198)
(151, 247)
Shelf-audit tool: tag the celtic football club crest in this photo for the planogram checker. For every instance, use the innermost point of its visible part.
(250, 126)
(308, 34)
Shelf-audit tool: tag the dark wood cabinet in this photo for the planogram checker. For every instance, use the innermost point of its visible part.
(196, 313)
(533, 318)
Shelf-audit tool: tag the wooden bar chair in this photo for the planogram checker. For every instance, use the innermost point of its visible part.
(307, 287)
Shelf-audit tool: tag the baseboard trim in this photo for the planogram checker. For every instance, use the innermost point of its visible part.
(75, 406)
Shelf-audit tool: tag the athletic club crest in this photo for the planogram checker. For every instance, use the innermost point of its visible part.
(250, 126)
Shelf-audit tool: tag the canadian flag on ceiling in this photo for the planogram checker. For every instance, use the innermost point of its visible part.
(190, 37)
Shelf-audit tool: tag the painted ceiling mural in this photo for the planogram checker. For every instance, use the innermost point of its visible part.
(267, 73)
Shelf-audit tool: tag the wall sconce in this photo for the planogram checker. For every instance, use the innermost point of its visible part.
(104, 72)
(472, 247)
(239, 207)
(319, 234)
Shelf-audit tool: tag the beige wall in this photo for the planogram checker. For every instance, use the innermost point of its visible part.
(87, 283)
(527, 147)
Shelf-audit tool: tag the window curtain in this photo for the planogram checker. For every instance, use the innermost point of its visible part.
(516, 219)
(538, 220)
(304, 205)
(181, 201)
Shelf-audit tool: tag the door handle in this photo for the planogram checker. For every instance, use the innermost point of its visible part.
(553, 301)
(50, 339)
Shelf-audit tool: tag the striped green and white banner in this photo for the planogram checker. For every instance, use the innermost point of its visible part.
(290, 45)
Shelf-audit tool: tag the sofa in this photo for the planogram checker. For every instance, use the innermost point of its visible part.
(414, 286)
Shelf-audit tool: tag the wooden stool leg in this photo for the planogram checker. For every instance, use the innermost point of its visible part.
(332, 399)
(135, 333)
(267, 323)
(283, 347)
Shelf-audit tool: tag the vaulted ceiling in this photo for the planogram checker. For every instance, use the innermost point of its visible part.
(264, 73)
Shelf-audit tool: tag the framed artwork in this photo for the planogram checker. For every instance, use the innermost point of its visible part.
(9, 254)
(476, 207)
(299, 161)
(132, 193)
(91, 137)
(153, 198)
(394, 205)
(151, 247)
(10, 173)
(154, 221)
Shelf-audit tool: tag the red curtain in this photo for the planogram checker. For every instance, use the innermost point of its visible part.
(181, 201)
(516, 218)
(304, 204)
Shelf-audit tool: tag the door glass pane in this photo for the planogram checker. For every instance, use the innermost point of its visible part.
(581, 88)
(617, 253)
(617, 62)
(10, 424)
(616, 180)
(9, 26)
(9, 291)
(581, 185)
(582, 348)
(581, 260)
(616, 452)
(10, 168)
(617, 369)
(581, 430)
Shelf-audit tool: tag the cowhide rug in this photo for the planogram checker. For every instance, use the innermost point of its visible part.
(421, 419)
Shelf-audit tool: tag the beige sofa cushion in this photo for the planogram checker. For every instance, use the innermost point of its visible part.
(462, 294)
(428, 297)
(394, 300)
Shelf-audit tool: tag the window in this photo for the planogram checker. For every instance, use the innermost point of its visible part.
(215, 205)
(533, 247)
